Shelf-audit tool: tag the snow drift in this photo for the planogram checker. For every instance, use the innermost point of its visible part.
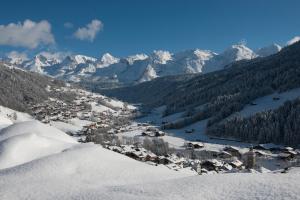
(26, 141)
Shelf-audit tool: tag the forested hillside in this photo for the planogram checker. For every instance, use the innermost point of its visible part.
(18, 88)
(279, 126)
(148, 92)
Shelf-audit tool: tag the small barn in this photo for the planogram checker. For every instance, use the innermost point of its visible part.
(233, 151)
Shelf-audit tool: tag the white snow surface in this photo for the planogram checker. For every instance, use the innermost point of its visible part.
(7, 117)
(66, 127)
(268, 103)
(25, 141)
(91, 172)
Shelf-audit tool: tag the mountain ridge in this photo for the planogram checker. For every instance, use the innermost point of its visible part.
(140, 67)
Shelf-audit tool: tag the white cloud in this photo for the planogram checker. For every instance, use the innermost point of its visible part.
(294, 40)
(30, 34)
(90, 31)
(68, 25)
(17, 57)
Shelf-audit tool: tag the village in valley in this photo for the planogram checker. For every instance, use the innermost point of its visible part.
(117, 126)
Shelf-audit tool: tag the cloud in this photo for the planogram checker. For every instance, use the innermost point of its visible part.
(68, 25)
(90, 31)
(294, 40)
(30, 34)
(17, 57)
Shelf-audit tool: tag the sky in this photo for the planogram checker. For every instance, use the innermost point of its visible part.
(126, 27)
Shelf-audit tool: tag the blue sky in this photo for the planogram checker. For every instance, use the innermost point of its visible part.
(135, 26)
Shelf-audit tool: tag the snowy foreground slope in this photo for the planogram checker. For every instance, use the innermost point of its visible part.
(91, 172)
(38, 161)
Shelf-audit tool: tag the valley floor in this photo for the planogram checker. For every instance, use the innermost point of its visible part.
(41, 161)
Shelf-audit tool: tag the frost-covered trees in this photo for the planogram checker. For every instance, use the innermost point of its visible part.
(157, 146)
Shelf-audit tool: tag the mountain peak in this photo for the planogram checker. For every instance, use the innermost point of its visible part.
(293, 40)
(161, 57)
(131, 59)
(239, 52)
(106, 60)
(268, 50)
(82, 59)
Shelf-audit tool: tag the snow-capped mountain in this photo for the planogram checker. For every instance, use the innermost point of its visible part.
(133, 58)
(268, 50)
(161, 57)
(140, 67)
(39, 62)
(107, 60)
(230, 55)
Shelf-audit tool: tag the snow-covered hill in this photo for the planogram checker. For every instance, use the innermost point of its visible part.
(140, 67)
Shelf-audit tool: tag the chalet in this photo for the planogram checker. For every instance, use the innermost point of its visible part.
(162, 160)
(227, 167)
(286, 149)
(236, 164)
(259, 153)
(195, 145)
(153, 129)
(175, 159)
(148, 133)
(189, 130)
(260, 147)
(127, 148)
(115, 149)
(233, 151)
(268, 146)
(210, 165)
(285, 156)
(159, 133)
(204, 171)
(133, 155)
(151, 157)
(224, 155)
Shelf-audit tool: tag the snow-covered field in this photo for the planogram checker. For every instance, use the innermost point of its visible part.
(268, 103)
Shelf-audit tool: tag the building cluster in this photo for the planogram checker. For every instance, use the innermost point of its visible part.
(283, 153)
(234, 161)
(56, 110)
(151, 131)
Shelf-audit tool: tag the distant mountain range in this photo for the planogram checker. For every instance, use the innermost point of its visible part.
(140, 67)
